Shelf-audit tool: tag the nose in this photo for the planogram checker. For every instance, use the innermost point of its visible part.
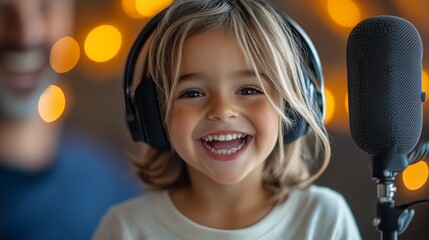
(23, 25)
(222, 109)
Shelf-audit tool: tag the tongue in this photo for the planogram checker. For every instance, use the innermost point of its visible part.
(225, 144)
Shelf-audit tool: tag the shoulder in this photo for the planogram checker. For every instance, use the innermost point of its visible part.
(132, 219)
(320, 205)
(319, 201)
(317, 195)
(139, 206)
(141, 209)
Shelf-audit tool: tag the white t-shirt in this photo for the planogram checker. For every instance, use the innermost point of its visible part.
(312, 213)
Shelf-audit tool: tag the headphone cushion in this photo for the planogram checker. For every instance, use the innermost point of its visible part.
(152, 129)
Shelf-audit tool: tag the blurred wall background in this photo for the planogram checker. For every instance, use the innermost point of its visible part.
(93, 86)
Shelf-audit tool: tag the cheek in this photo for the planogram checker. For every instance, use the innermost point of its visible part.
(182, 124)
(266, 122)
(61, 17)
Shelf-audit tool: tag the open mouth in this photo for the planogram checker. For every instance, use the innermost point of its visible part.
(21, 71)
(23, 61)
(225, 146)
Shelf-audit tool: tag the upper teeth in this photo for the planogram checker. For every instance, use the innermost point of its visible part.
(23, 61)
(223, 137)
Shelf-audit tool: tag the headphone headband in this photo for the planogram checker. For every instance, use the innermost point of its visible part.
(134, 53)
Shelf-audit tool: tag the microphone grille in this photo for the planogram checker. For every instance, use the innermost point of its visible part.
(384, 58)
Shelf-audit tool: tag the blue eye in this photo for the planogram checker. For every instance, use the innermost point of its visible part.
(192, 93)
(249, 90)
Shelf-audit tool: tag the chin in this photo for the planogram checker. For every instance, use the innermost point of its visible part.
(22, 104)
(227, 179)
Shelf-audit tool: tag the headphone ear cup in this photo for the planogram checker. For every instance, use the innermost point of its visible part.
(133, 119)
(299, 128)
(147, 110)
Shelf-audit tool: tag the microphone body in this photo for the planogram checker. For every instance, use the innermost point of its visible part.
(384, 71)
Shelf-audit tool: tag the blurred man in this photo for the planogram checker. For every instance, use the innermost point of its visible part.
(54, 184)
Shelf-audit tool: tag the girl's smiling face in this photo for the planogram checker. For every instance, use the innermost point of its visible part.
(222, 124)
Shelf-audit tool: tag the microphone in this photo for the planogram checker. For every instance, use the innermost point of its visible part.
(384, 73)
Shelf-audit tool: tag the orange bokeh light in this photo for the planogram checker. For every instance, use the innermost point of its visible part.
(52, 104)
(415, 175)
(65, 54)
(330, 105)
(344, 12)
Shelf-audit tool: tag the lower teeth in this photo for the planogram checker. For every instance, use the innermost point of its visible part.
(223, 151)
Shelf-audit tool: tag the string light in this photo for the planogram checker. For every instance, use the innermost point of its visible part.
(52, 104)
(415, 175)
(346, 102)
(330, 105)
(103, 43)
(150, 8)
(130, 9)
(344, 12)
(425, 81)
(65, 54)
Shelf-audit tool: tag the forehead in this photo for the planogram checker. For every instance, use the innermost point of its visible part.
(212, 51)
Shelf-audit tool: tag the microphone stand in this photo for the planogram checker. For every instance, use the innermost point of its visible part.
(390, 220)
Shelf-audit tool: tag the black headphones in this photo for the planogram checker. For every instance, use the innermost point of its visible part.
(142, 109)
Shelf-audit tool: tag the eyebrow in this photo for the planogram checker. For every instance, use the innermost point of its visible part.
(190, 76)
(251, 73)
(238, 74)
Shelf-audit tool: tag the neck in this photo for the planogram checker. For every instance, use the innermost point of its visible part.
(224, 206)
(28, 144)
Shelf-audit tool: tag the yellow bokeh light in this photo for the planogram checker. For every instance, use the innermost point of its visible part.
(64, 54)
(130, 9)
(415, 175)
(330, 105)
(103, 43)
(425, 82)
(344, 12)
(52, 104)
(150, 8)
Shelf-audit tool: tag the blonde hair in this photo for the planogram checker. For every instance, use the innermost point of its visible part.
(270, 48)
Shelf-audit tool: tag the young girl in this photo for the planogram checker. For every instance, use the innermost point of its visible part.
(224, 71)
